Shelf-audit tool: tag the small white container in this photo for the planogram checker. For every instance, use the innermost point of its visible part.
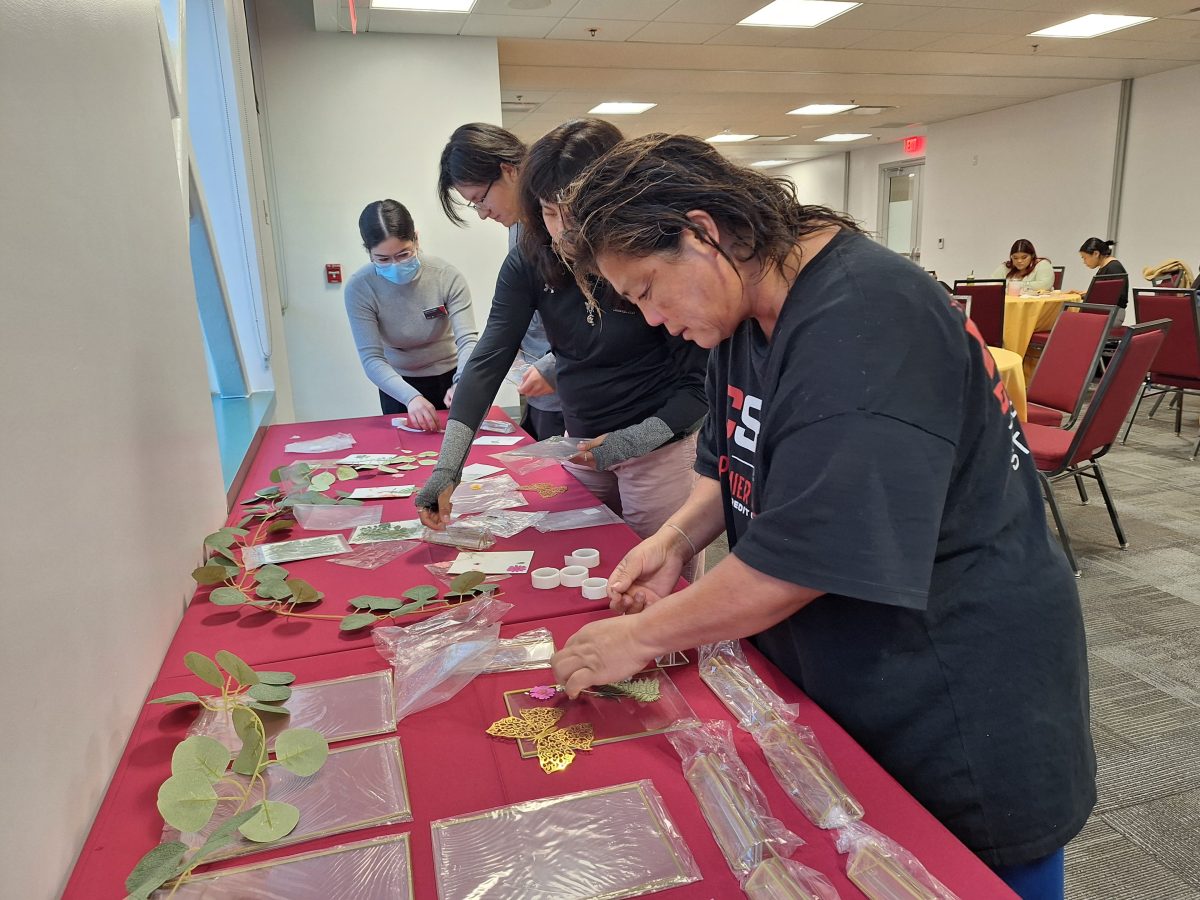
(572, 576)
(544, 579)
(595, 588)
(586, 557)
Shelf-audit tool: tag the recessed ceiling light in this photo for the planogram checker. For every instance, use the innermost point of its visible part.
(837, 138)
(454, 6)
(769, 163)
(1091, 26)
(726, 138)
(797, 13)
(823, 109)
(621, 108)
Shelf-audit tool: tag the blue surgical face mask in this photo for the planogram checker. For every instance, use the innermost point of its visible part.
(400, 273)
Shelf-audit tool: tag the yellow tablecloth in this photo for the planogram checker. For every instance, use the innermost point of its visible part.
(1012, 375)
(1025, 315)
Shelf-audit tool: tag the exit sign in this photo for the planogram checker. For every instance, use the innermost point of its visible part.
(915, 145)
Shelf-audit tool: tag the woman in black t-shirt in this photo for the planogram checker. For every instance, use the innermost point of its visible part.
(889, 545)
(1097, 254)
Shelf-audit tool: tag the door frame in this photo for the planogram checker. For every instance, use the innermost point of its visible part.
(885, 172)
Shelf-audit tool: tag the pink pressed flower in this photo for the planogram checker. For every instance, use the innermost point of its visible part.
(543, 692)
(517, 569)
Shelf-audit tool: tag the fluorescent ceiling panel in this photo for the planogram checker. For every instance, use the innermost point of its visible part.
(823, 109)
(769, 163)
(840, 138)
(452, 6)
(727, 138)
(797, 13)
(621, 108)
(1090, 26)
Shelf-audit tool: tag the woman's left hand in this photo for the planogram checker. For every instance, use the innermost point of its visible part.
(585, 457)
(449, 398)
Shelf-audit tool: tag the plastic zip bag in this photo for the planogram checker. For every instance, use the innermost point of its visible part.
(290, 551)
(498, 426)
(372, 556)
(527, 650)
(488, 502)
(327, 444)
(558, 448)
(507, 523)
(522, 465)
(335, 518)
(491, 484)
(731, 800)
(463, 536)
(587, 517)
(883, 870)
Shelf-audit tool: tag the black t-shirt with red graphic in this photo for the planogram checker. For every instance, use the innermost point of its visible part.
(868, 450)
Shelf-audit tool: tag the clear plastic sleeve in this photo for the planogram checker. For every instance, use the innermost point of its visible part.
(464, 536)
(776, 878)
(377, 869)
(493, 501)
(498, 426)
(290, 551)
(731, 800)
(558, 448)
(372, 556)
(435, 659)
(521, 364)
(339, 709)
(327, 444)
(405, 530)
(724, 668)
(507, 523)
(883, 870)
(805, 772)
(607, 843)
(359, 786)
(527, 650)
(587, 517)
(332, 517)
(441, 571)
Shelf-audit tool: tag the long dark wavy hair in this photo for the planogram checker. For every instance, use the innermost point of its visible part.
(553, 162)
(635, 199)
(473, 155)
(1022, 246)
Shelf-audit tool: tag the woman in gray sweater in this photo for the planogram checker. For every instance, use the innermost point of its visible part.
(410, 315)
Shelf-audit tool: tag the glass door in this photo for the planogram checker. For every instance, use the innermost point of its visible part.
(900, 208)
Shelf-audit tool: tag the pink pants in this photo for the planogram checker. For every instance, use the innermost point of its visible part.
(647, 490)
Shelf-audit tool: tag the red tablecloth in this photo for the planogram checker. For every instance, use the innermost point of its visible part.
(263, 637)
(453, 767)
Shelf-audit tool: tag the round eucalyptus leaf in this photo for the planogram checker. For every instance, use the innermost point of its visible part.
(421, 593)
(227, 596)
(270, 572)
(467, 582)
(187, 801)
(345, 473)
(274, 821)
(323, 481)
(209, 573)
(276, 677)
(204, 669)
(270, 693)
(355, 621)
(184, 697)
(301, 750)
(237, 667)
(200, 755)
(269, 708)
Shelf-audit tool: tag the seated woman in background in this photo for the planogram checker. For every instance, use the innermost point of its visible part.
(1024, 265)
(1097, 254)
(410, 315)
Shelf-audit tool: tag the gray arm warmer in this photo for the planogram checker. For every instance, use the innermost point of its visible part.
(627, 443)
(448, 471)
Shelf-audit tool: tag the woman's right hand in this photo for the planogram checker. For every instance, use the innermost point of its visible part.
(648, 573)
(534, 384)
(421, 414)
(433, 500)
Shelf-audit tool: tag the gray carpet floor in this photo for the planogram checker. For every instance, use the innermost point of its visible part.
(1142, 611)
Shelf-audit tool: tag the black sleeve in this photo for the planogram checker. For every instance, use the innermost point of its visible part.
(687, 404)
(512, 310)
(852, 505)
(706, 444)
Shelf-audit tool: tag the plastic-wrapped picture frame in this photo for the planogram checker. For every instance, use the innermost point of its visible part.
(602, 844)
(884, 870)
(806, 774)
(776, 878)
(375, 869)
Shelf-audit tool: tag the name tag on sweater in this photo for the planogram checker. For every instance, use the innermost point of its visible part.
(437, 312)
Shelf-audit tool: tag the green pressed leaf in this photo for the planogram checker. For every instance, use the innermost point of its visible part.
(237, 667)
(422, 593)
(323, 481)
(467, 582)
(280, 525)
(224, 833)
(301, 750)
(356, 621)
(204, 669)
(276, 677)
(187, 801)
(643, 690)
(379, 603)
(272, 822)
(268, 493)
(389, 470)
(275, 476)
(244, 723)
(407, 467)
(248, 757)
(274, 590)
(219, 539)
(155, 868)
(405, 459)
(270, 572)
(268, 708)
(227, 596)
(302, 591)
(200, 755)
(345, 473)
(245, 520)
(239, 531)
(184, 697)
(427, 462)
(270, 693)
(210, 573)
(228, 554)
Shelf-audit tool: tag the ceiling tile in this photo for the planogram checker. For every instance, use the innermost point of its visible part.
(626, 10)
(981, 21)
(395, 20)
(823, 37)
(507, 26)
(871, 15)
(556, 10)
(606, 29)
(966, 43)
(896, 40)
(749, 36)
(727, 12)
(676, 33)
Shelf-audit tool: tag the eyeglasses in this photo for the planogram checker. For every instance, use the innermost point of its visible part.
(482, 201)
(402, 256)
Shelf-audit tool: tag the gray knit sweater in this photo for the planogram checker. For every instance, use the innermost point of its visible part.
(393, 336)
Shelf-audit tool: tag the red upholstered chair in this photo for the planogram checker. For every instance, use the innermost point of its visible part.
(1070, 453)
(1064, 371)
(1105, 290)
(1059, 271)
(1176, 369)
(987, 307)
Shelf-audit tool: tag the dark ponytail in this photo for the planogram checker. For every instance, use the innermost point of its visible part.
(385, 219)
(1096, 245)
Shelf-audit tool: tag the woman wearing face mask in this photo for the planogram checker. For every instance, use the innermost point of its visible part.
(410, 315)
(1035, 273)
(634, 389)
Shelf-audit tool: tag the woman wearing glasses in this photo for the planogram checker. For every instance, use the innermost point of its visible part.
(410, 315)
(634, 389)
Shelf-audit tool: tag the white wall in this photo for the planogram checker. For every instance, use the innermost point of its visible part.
(864, 180)
(1041, 171)
(113, 475)
(1160, 204)
(820, 182)
(351, 119)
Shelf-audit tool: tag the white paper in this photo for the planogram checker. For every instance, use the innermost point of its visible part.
(479, 470)
(387, 531)
(402, 423)
(515, 562)
(367, 459)
(383, 493)
(327, 444)
(498, 440)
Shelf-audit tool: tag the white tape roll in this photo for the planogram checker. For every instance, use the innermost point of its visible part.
(569, 560)
(572, 576)
(595, 588)
(545, 578)
(586, 557)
